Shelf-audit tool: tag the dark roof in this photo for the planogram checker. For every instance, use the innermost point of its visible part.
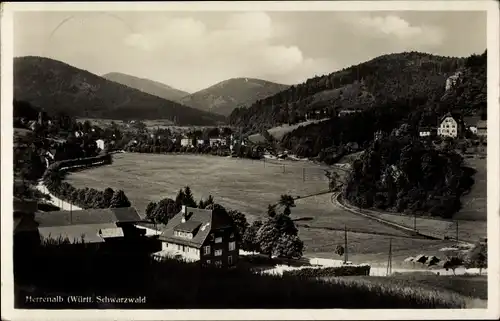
(188, 226)
(90, 216)
(472, 120)
(457, 117)
(208, 219)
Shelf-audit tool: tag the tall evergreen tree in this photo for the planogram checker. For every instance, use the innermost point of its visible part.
(119, 199)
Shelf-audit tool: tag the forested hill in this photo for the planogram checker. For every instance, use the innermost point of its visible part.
(148, 86)
(223, 97)
(392, 77)
(55, 86)
(404, 106)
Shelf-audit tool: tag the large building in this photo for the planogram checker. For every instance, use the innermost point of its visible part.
(90, 227)
(200, 235)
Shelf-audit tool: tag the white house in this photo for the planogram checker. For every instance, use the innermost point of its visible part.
(186, 142)
(100, 144)
(449, 126)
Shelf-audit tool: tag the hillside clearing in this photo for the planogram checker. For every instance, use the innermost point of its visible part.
(279, 131)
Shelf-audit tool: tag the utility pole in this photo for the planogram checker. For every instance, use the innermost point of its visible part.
(345, 245)
(456, 230)
(389, 261)
(303, 174)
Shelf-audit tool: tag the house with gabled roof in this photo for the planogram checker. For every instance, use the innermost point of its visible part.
(201, 235)
(450, 126)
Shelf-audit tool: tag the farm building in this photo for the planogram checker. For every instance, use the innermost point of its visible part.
(92, 227)
(200, 235)
(426, 132)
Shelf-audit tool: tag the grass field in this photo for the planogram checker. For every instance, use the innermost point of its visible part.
(473, 286)
(475, 203)
(249, 186)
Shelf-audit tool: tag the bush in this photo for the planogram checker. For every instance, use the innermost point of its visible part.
(345, 270)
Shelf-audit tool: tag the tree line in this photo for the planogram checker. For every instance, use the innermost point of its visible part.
(83, 197)
(241, 151)
(276, 235)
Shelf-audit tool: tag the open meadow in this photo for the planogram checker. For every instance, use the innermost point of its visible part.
(475, 203)
(249, 186)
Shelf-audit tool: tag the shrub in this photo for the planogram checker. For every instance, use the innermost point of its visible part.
(345, 270)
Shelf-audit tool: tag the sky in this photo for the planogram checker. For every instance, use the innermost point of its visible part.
(194, 50)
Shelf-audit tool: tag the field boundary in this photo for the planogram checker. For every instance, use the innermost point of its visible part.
(351, 231)
(337, 201)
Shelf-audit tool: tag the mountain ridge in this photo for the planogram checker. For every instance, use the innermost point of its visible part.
(224, 96)
(55, 86)
(148, 86)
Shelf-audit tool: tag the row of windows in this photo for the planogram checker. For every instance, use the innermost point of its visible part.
(219, 263)
(183, 234)
(218, 252)
(219, 239)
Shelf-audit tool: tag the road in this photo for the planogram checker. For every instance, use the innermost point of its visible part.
(63, 205)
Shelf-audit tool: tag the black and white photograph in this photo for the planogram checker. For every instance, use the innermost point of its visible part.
(243, 156)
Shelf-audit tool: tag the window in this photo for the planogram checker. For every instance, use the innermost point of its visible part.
(232, 235)
(218, 252)
(208, 261)
(230, 259)
(206, 250)
(218, 240)
(212, 237)
(232, 246)
(218, 263)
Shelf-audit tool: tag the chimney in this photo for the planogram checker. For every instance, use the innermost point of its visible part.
(184, 213)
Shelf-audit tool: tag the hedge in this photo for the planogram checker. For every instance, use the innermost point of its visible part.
(345, 270)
